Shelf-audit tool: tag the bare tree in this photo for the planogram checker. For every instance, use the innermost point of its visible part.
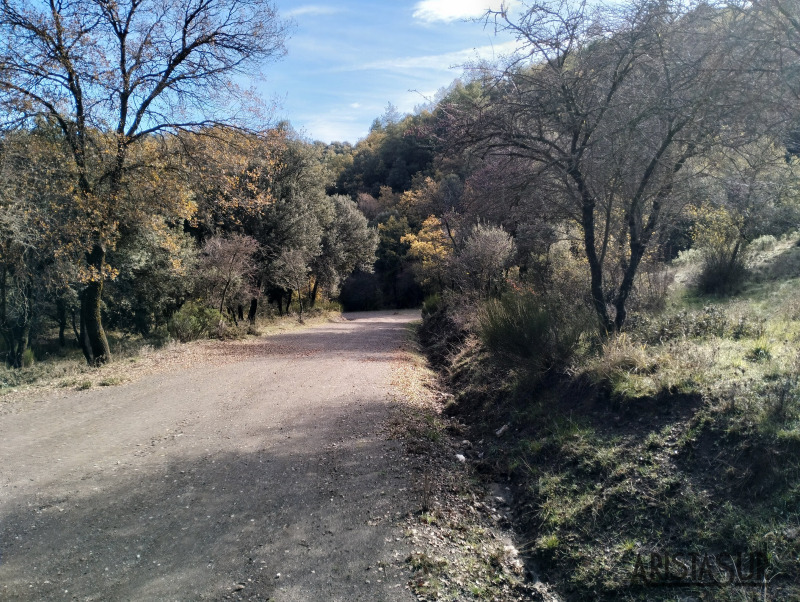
(113, 73)
(483, 258)
(226, 268)
(605, 108)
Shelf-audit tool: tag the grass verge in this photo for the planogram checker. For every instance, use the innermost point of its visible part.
(666, 464)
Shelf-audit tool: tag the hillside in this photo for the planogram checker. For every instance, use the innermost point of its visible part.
(674, 446)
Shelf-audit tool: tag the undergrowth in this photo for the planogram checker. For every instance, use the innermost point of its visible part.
(679, 438)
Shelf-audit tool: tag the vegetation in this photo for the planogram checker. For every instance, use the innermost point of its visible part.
(678, 436)
(603, 229)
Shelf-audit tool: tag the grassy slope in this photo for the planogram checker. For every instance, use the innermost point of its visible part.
(682, 436)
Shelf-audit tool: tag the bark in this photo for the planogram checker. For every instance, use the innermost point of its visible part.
(251, 314)
(314, 291)
(75, 330)
(16, 333)
(300, 302)
(61, 315)
(19, 345)
(595, 266)
(637, 252)
(93, 337)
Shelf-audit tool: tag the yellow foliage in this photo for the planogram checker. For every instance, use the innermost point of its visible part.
(432, 248)
(714, 227)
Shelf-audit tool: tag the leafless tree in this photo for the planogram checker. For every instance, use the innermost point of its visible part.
(226, 268)
(606, 107)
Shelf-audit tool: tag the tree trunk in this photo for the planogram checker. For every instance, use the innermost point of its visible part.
(21, 336)
(16, 333)
(251, 314)
(61, 315)
(93, 338)
(637, 252)
(595, 267)
(300, 302)
(314, 291)
(75, 330)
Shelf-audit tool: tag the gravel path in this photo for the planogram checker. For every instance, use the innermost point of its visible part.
(270, 477)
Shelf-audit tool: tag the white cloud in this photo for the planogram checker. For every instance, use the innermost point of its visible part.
(430, 11)
(436, 62)
(355, 105)
(313, 10)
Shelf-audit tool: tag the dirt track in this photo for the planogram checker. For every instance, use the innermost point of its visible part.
(268, 477)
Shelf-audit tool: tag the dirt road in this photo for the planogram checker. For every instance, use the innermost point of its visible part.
(270, 477)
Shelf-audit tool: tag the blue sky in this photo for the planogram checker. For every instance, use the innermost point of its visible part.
(348, 59)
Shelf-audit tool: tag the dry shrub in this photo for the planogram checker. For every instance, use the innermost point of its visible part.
(620, 354)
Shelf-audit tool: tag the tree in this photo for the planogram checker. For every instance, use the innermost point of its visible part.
(605, 108)
(226, 268)
(290, 271)
(482, 259)
(432, 248)
(34, 181)
(112, 75)
(348, 244)
(392, 254)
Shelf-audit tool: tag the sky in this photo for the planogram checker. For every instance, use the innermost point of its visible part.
(348, 59)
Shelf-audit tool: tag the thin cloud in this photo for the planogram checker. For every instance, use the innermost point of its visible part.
(436, 62)
(431, 11)
(313, 10)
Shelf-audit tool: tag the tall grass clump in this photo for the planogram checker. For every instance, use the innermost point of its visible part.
(522, 330)
(718, 235)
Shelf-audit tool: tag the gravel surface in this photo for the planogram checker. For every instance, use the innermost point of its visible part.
(269, 476)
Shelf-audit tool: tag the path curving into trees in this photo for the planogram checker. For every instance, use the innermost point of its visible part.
(269, 477)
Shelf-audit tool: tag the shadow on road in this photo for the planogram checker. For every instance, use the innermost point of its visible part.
(194, 528)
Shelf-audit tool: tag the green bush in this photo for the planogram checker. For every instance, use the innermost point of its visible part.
(431, 304)
(28, 358)
(524, 330)
(194, 321)
(711, 321)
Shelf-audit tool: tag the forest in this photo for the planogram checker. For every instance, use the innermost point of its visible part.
(601, 230)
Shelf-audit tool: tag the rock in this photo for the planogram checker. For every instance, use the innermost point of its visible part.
(466, 444)
(461, 458)
(501, 431)
(238, 587)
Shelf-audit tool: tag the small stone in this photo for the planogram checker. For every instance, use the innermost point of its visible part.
(501, 431)
(460, 458)
(238, 587)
